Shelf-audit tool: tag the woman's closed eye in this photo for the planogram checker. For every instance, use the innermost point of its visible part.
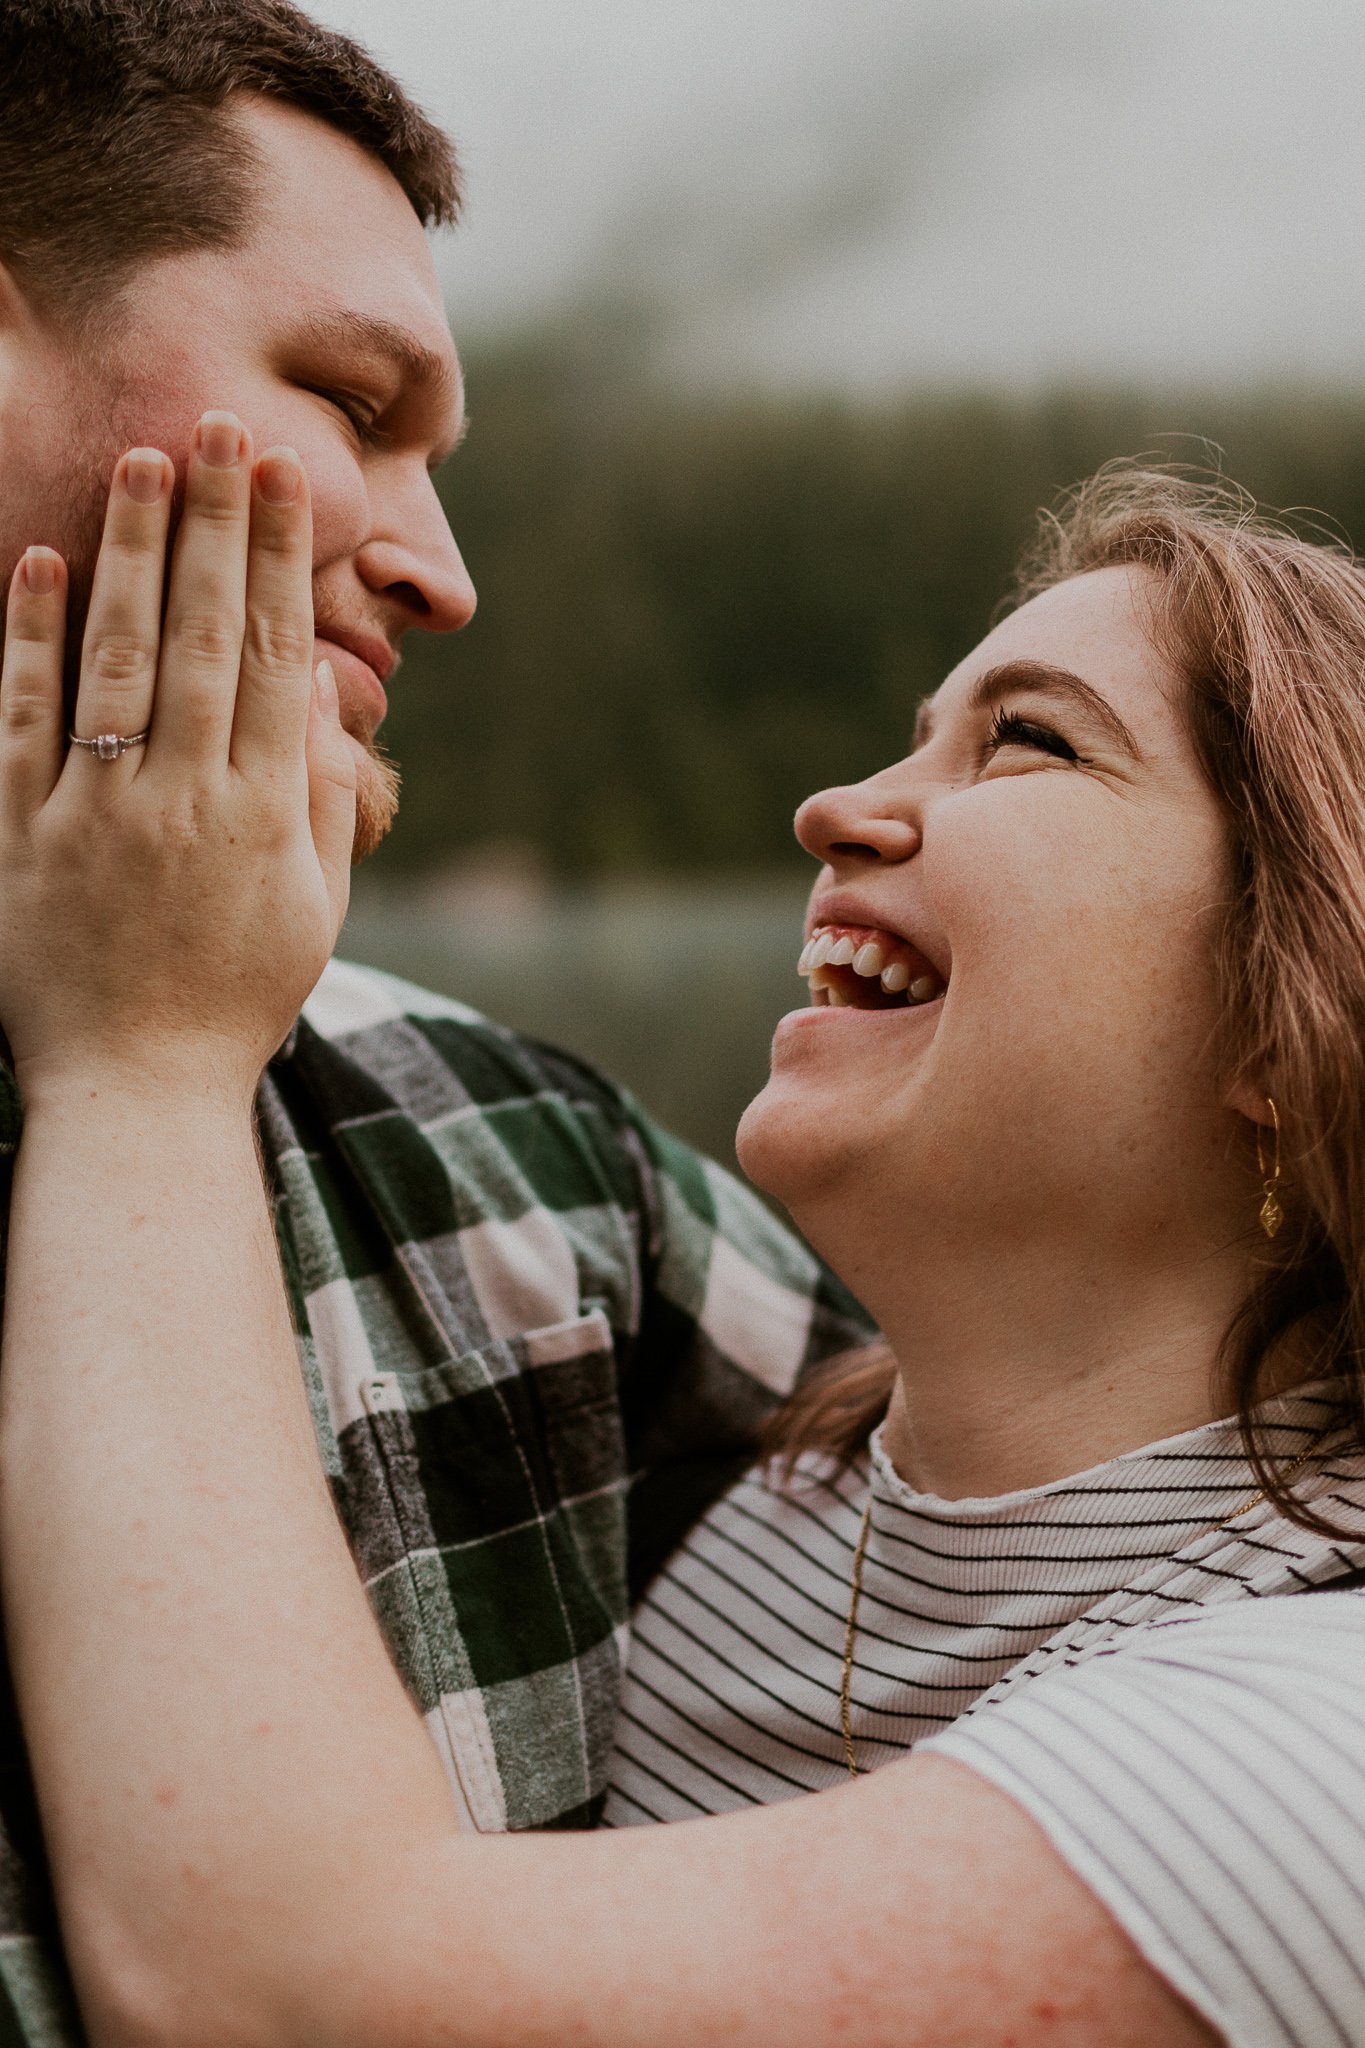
(1010, 729)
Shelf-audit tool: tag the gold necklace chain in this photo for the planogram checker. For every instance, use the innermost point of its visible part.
(856, 1589)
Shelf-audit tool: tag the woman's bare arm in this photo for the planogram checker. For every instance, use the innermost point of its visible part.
(251, 1835)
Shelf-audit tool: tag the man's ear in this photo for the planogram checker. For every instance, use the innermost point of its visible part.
(27, 339)
(14, 306)
(19, 319)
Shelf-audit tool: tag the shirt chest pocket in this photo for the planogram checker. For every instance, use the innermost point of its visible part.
(486, 1502)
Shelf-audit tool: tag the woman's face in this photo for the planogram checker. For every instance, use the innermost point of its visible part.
(1039, 885)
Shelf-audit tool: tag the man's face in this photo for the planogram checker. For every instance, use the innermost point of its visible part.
(324, 330)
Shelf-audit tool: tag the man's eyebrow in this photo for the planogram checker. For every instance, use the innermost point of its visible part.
(369, 334)
(1039, 678)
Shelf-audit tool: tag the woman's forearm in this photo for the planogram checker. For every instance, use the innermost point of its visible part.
(161, 1500)
(252, 1840)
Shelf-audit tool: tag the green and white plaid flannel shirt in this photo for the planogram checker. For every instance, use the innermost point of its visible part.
(538, 1336)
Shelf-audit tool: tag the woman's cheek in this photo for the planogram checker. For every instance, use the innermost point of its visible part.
(1003, 872)
(1053, 918)
(1035, 852)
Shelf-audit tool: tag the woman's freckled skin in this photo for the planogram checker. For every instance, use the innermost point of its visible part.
(1088, 1161)
(1052, 888)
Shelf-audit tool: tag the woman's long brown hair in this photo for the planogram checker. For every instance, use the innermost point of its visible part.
(1267, 631)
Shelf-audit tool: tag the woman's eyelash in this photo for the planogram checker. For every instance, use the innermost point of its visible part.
(1008, 729)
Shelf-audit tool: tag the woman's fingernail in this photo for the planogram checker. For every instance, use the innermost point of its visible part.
(324, 676)
(40, 571)
(144, 473)
(279, 476)
(220, 439)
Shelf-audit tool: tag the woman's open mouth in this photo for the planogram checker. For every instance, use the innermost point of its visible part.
(860, 967)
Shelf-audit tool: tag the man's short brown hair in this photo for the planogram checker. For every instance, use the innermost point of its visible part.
(116, 146)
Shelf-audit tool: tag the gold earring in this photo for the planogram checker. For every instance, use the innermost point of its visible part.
(1272, 1212)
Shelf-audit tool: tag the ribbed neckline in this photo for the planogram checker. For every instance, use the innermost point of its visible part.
(1138, 1507)
(1208, 1445)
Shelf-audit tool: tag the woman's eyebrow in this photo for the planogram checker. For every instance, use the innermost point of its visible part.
(1039, 678)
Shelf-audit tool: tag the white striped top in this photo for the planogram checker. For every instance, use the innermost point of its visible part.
(1101, 1648)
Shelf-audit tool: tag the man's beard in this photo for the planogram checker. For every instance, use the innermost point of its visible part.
(376, 800)
(378, 780)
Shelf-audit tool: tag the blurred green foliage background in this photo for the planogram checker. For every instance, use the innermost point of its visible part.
(693, 611)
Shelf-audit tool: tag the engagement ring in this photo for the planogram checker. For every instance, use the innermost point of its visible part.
(107, 746)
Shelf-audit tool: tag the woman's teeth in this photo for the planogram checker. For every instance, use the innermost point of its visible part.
(853, 970)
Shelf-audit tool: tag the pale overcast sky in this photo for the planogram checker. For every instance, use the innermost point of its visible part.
(890, 193)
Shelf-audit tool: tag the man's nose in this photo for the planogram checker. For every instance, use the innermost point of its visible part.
(416, 560)
(862, 821)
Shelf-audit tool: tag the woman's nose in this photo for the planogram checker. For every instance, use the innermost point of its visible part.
(856, 823)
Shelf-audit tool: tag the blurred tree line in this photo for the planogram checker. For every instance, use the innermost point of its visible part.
(695, 610)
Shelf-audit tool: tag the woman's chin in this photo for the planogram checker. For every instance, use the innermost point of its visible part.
(751, 1141)
(840, 1079)
(787, 1148)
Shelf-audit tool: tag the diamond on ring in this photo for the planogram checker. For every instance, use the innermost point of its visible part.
(107, 746)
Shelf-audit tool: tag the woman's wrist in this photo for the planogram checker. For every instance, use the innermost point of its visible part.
(203, 1080)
